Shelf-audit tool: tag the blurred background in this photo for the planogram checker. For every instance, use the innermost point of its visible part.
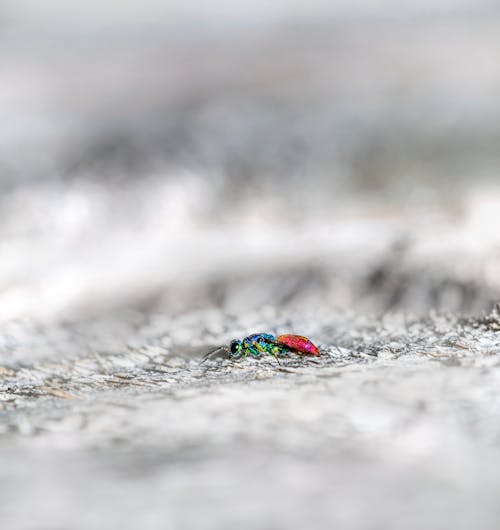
(174, 174)
(165, 156)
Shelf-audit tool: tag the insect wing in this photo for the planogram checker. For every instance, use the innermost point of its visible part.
(299, 344)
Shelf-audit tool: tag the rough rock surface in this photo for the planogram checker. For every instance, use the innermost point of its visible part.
(396, 425)
(167, 171)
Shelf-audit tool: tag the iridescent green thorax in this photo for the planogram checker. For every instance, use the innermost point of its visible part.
(260, 343)
(256, 345)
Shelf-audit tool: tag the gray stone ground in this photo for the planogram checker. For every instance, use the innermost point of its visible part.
(395, 426)
(167, 171)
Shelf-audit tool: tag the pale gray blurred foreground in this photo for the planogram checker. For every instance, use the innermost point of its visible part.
(175, 176)
(395, 427)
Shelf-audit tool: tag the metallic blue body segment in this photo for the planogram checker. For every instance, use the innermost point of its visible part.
(257, 336)
(255, 345)
(259, 343)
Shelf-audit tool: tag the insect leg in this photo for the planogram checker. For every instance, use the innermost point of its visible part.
(254, 351)
(276, 350)
(276, 358)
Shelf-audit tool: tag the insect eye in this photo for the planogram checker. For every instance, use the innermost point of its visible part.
(234, 347)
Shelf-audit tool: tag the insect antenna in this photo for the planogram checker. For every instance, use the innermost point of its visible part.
(212, 352)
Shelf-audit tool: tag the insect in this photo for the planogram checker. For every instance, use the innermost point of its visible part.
(260, 343)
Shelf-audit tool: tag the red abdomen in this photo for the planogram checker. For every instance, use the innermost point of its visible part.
(299, 344)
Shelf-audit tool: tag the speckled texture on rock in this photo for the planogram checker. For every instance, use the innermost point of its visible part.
(396, 425)
(176, 174)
